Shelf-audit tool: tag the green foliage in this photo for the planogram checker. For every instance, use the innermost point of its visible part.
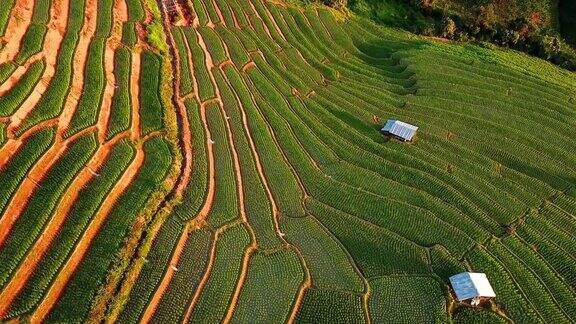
(152, 271)
(75, 302)
(5, 15)
(151, 108)
(331, 306)
(213, 302)
(278, 272)
(15, 171)
(10, 101)
(121, 108)
(89, 201)
(468, 315)
(191, 268)
(28, 226)
(406, 300)
(52, 101)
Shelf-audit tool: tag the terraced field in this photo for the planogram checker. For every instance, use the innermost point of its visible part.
(221, 161)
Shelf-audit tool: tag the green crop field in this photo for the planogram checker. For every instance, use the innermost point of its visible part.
(212, 161)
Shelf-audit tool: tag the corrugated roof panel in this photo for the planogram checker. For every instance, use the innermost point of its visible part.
(400, 129)
(468, 285)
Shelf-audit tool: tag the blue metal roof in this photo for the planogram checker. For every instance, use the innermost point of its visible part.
(468, 285)
(400, 129)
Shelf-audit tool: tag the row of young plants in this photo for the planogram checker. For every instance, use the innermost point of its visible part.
(330, 265)
(205, 88)
(34, 36)
(183, 285)
(21, 162)
(29, 225)
(225, 207)
(185, 73)
(213, 44)
(280, 178)
(375, 250)
(406, 299)
(331, 306)
(152, 271)
(555, 287)
(226, 12)
(151, 107)
(217, 293)
(89, 200)
(11, 100)
(5, 15)
(121, 106)
(544, 302)
(52, 101)
(278, 272)
(75, 302)
(86, 113)
(518, 307)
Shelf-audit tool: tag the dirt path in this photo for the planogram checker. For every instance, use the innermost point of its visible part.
(135, 92)
(79, 65)
(52, 41)
(52, 229)
(120, 16)
(20, 18)
(77, 255)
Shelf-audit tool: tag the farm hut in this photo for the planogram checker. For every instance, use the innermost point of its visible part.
(401, 130)
(471, 285)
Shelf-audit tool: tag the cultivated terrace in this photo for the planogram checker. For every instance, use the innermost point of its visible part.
(212, 161)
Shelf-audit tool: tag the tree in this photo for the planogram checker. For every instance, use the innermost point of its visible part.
(449, 27)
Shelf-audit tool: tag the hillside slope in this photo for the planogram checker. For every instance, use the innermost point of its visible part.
(293, 206)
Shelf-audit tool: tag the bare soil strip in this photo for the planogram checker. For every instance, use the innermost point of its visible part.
(112, 43)
(135, 92)
(28, 186)
(52, 42)
(79, 65)
(59, 284)
(52, 229)
(20, 19)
